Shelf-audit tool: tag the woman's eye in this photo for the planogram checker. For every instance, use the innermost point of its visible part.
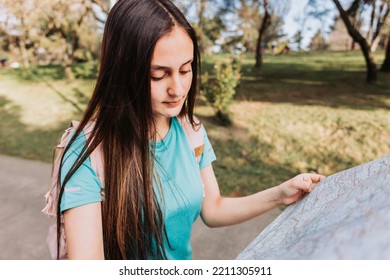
(185, 71)
(157, 78)
(157, 75)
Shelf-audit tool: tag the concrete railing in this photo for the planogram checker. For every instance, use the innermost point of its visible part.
(347, 216)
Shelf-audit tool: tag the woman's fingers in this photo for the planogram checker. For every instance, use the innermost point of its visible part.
(310, 180)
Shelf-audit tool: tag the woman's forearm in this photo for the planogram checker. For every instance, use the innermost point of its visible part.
(226, 211)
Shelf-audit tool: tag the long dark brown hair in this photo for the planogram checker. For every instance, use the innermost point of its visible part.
(133, 226)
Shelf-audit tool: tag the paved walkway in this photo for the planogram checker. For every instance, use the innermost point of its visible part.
(23, 228)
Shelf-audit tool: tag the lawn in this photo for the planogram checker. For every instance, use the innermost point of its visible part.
(35, 108)
(300, 113)
(309, 112)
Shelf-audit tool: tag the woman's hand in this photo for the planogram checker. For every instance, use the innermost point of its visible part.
(295, 188)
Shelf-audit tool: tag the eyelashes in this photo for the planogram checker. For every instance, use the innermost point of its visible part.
(159, 78)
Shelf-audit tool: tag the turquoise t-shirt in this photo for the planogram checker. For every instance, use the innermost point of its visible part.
(179, 174)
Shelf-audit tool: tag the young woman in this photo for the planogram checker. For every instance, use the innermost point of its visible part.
(154, 188)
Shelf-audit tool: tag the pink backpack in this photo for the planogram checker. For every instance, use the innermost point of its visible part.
(195, 138)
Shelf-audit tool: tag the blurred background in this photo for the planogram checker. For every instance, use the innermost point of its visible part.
(286, 86)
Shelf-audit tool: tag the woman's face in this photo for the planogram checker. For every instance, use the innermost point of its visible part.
(171, 73)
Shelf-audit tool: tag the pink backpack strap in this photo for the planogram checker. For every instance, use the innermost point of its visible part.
(96, 163)
(51, 196)
(195, 136)
(96, 157)
(51, 203)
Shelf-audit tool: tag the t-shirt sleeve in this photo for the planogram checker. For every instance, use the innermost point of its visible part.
(84, 186)
(208, 155)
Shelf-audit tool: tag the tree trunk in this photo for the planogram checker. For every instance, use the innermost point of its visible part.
(263, 27)
(364, 46)
(381, 20)
(375, 43)
(370, 63)
(201, 11)
(23, 51)
(386, 64)
(67, 63)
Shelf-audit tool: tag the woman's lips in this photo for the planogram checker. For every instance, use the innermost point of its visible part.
(172, 104)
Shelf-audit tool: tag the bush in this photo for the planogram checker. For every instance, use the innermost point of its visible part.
(86, 70)
(220, 90)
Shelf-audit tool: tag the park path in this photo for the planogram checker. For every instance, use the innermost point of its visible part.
(23, 228)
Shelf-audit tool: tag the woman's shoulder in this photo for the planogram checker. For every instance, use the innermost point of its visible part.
(79, 142)
(187, 124)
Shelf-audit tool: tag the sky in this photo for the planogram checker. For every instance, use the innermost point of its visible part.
(291, 26)
(297, 7)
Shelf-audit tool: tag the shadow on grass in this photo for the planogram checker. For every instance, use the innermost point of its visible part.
(243, 167)
(81, 98)
(20, 140)
(63, 96)
(240, 169)
(306, 83)
(47, 75)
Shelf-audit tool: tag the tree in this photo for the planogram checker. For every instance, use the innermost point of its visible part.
(301, 20)
(209, 26)
(101, 8)
(269, 28)
(376, 11)
(379, 13)
(369, 17)
(263, 27)
(209, 22)
(64, 21)
(319, 12)
(63, 28)
(201, 24)
(248, 22)
(386, 64)
(357, 37)
(20, 39)
(183, 5)
(298, 38)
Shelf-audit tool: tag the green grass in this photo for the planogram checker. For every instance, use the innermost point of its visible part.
(35, 107)
(299, 113)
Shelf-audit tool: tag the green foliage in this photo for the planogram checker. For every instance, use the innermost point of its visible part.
(49, 72)
(212, 28)
(83, 71)
(219, 92)
(86, 70)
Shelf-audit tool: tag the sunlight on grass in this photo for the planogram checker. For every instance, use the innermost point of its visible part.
(301, 113)
(35, 111)
(44, 104)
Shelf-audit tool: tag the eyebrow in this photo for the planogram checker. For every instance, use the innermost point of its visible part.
(159, 67)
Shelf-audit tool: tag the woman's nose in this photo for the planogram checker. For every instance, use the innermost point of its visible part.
(175, 86)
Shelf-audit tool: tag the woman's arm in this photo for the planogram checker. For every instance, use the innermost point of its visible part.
(84, 233)
(223, 211)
